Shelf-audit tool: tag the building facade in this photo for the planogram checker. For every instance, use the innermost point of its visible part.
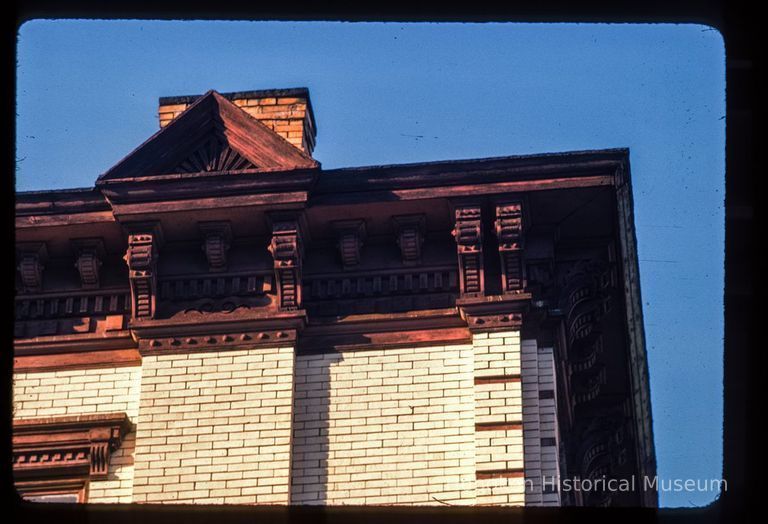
(221, 321)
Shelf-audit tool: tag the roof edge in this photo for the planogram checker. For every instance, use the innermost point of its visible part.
(618, 154)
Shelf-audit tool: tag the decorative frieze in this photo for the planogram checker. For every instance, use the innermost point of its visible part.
(217, 237)
(410, 237)
(286, 250)
(72, 305)
(350, 235)
(509, 231)
(31, 259)
(180, 289)
(90, 253)
(396, 283)
(141, 257)
(228, 341)
(468, 233)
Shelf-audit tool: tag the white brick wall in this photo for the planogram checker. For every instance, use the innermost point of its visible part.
(87, 391)
(501, 491)
(497, 355)
(539, 422)
(388, 426)
(215, 427)
(392, 426)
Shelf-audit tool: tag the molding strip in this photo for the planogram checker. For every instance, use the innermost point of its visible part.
(499, 474)
(81, 360)
(498, 426)
(497, 379)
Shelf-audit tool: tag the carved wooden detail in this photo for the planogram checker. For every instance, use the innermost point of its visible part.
(491, 322)
(141, 257)
(213, 155)
(494, 313)
(468, 233)
(286, 248)
(410, 237)
(66, 446)
(350, 236)
(585, 299)
(578, 292)
(509, 231)
(217, 237)
(602, 449)
(31, 260)
(90, 253)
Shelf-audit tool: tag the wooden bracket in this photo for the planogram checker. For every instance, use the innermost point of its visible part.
(90, 253)
(468, 233)
(144, 242)
(217, 237)
(32, 257)
(410, 237)
(350, 235)
(287, 251)
(509, 231)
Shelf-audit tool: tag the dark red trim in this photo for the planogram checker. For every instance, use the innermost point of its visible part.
(498, 379)
(82, 360)
(498, 426)
(499, 474)
(309, 343)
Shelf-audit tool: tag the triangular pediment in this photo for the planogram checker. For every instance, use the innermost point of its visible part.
(211, 136)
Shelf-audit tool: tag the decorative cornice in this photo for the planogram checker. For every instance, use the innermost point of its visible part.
(350, 235)
(468, 232)
(63, 446)
(90, 253)
(410, 237)
(217, 237)
(31, 259)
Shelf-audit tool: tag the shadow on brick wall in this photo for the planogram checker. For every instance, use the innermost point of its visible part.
(311, 426)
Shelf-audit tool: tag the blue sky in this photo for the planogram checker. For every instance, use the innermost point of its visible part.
(398, 93)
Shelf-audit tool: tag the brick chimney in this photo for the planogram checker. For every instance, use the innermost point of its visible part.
(288, 112)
